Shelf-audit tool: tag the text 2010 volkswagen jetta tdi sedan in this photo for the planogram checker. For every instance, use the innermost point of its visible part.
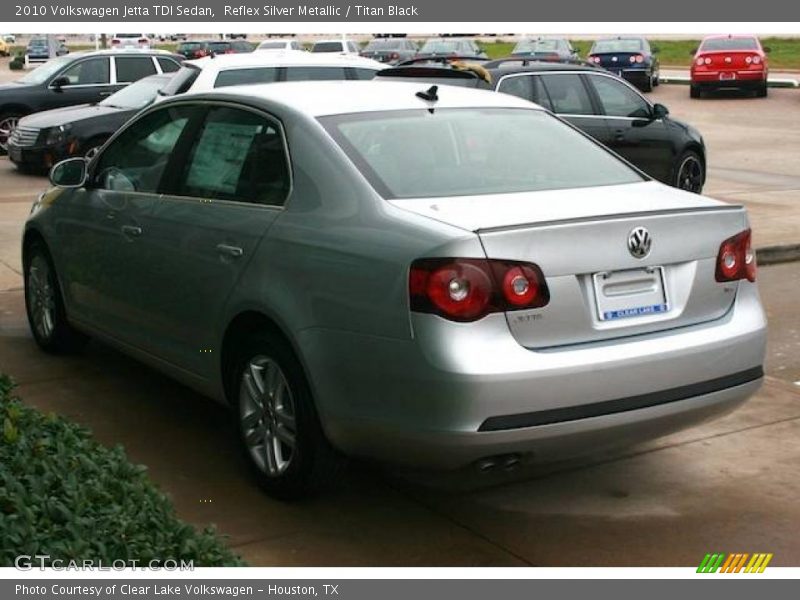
(422, 276)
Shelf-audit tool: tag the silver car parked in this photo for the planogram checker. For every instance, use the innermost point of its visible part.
(432, 277)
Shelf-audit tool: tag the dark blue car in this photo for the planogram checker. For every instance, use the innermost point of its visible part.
(630, 57)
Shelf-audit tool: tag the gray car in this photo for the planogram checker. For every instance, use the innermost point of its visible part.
(406, 274)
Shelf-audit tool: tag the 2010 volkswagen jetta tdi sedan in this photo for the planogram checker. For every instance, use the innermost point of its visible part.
(433, 277)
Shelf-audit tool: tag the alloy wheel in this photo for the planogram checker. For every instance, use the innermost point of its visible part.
(41, 297)
(690, 175)
(267, 415)
(7, 126)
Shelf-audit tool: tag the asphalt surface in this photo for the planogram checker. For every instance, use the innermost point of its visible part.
(730, 485)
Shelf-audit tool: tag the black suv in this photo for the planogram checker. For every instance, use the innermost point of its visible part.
(78, 78)
(590, 98)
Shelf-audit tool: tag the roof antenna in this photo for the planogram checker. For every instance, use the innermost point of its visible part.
(429, 95)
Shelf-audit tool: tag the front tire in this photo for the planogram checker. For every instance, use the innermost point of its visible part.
(8, 122)
(278, 426)
(45, 306)
(689, 173)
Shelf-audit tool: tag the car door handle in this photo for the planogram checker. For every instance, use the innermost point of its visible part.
(132, 230)
(619, 135)
(105, 93)
(232, 251)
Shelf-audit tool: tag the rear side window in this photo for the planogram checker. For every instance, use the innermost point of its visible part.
(136, 160)
(239, 156)
(246, 76)
(568, 95)
(520, 86)
(168, 65)
(315, 73)
(133, 68)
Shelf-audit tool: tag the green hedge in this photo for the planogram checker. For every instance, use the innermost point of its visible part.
(63, 494)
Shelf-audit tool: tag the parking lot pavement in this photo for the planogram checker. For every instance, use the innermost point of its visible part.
(753, 147)
(728, 485)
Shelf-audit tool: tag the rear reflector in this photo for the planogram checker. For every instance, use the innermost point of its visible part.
(467, 289)
(736, 259)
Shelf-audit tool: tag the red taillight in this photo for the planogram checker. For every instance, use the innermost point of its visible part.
(142, 40)
(736, 259)
(467, 289)
(395, 56)
(637, 58)
(756, 60)
(114, 42)
(595, 59)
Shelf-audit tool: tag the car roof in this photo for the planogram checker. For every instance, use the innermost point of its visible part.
(286, 58)
(123, 52)
(321, 98)
(734, 36)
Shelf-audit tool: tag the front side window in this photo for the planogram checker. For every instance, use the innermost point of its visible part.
(133, 68)
(567, 93)
(92, 71)
(137, 159)
(520, 86)
(238, 156)
(472, 151)
(618, 100)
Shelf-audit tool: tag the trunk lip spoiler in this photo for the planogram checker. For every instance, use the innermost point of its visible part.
(612, 217)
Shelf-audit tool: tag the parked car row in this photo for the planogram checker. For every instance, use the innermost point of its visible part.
(405, 271)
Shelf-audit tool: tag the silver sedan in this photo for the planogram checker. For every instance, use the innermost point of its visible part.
(433, 277)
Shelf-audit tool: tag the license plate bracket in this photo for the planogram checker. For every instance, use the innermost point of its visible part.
(630, 293)
(727, 76)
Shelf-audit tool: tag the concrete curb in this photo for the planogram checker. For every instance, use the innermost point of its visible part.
(782, 253)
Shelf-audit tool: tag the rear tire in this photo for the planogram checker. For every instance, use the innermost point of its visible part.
(694, 91)
(45, 306)
(689, 173)
(279, 429)
(762, 90)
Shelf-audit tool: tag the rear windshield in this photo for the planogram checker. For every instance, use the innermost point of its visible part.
(218, 46)
(384, 44)
(128, 35)
(617, 46)
(272, 45)
(472, 151)
(327, 47)
(189, 45)
(730, 44)
(446, 47)
(181, 81)
(536, 46)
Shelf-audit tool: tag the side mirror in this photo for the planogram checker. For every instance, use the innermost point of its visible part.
(70, 173)
(59, 82)
(693, 51)
(767, 49)
(659, 111)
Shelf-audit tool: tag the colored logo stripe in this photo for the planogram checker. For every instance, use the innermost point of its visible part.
(734, 563)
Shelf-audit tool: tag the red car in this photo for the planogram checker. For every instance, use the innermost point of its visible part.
(729, 62)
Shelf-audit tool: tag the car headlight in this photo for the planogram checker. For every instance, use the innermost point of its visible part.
(57, 135)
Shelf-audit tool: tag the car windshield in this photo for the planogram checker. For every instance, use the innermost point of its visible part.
(137, 95)
(445, 47)
(617, 46)
(472, 151)
(384, 45)
(536, 46)
(327, 47)
(716, 44)
(44, 72)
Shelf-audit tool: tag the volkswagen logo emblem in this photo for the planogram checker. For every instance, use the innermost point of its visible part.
(639, 242)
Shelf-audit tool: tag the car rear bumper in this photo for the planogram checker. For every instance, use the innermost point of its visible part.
(729, 79)
(463, 392)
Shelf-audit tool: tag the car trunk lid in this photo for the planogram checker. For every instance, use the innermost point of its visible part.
(599, 289)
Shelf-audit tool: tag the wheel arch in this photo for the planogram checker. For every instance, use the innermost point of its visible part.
(244, 323)
(15, 108)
